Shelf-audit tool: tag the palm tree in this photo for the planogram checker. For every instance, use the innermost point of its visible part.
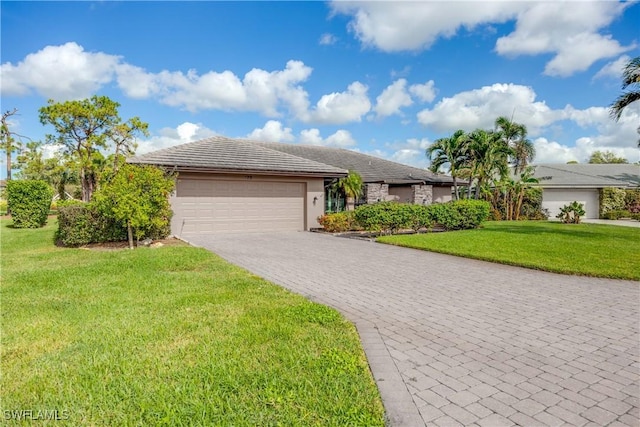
(631, 88)
(488, 157)
(514, 135)
(449, 151)
(351, 186)
(8, 142)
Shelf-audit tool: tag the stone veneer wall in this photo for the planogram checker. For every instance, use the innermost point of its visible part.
(374, 193)
(422, 194)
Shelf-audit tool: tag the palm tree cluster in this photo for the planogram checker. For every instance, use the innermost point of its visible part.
(484, 158)
(631, 88)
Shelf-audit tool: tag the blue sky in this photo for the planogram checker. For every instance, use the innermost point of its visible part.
(385, 78)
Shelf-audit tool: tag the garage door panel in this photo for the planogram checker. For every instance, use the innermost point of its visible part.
(218, 206)
(554, 199)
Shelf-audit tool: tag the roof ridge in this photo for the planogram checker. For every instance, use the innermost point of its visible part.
(380, 159)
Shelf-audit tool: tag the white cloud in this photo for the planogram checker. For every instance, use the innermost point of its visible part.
(602, 134)
(272, 131)
(340, 139)
(424, 92)
(169, 137)
(259, 90)
(570, 30)
(341, 107)
(398, 26)
(327, 39)
(410, 152)
(479, 108)
(613, 69)
(59, 72)
(392, 99)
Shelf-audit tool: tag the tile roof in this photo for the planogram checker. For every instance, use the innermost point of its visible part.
(222, 154)
(588, 175)
(370, 168)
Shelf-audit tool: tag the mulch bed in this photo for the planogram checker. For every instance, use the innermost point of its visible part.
(114, 246)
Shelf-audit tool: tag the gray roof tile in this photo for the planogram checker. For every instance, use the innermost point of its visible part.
(370, 168)
(226, 154)
(588, 175)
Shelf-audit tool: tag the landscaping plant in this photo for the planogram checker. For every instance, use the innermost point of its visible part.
(571, 213)
(29, 202)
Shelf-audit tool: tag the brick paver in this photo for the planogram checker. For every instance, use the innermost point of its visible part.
(455, 341)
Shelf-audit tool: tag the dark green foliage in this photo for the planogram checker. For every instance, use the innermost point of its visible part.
(29, 202)
(138, 198)
(385, 217)
(617, 214)
(571, 213)
(470, 214)
(82, 223)
(389, 217)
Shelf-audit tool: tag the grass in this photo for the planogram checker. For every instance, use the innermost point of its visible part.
(170, 336)
(583, 249)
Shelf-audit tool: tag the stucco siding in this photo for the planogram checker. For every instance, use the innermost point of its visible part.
(555, 198)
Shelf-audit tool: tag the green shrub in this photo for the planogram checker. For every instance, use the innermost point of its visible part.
(138, 198)
(617, 214)
(611, 199)
(420, 218)
(3, 207)
(389, 217)
(571, 213)
(472, 213)
(82, 223)
(29, 202)
(338, 222)
(385, 217)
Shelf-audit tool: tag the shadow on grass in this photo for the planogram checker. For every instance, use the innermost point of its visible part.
(572, 230)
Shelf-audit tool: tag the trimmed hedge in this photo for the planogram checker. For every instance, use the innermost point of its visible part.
(81, 224)
(389, 217)
(29, 202)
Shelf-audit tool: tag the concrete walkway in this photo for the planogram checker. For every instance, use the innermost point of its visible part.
(453, 341)
(618, 222)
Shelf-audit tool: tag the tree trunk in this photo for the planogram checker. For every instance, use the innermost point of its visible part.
(455, 188)
(130, 234)
(8, 163)
(351, 203)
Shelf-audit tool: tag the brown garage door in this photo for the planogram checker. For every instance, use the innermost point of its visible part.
(219, 206)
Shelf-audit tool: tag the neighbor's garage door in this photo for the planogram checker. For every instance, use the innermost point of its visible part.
(219, 206)
(553, 199)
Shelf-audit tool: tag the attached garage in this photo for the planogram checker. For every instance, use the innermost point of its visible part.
(229, 185)
(555, 198)
(207, 206)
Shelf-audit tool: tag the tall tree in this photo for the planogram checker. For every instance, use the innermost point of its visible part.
(631, 90)
(601, 157)
(449, 151)
(488, 157)
(10, 141)
(514, 135)
(86, 127)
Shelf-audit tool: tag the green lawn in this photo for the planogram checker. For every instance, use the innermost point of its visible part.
(583, 249)
(170, 336)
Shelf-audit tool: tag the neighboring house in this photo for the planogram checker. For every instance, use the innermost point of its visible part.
(562, 184)
(227, 185)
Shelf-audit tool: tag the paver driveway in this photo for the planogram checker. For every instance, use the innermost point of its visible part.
(453, 341)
